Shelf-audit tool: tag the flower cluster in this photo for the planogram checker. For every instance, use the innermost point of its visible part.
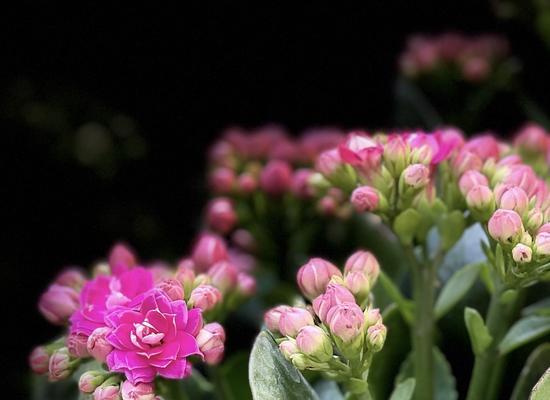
(339, 332)
(140, 322)
(532, 142)
(473, 58)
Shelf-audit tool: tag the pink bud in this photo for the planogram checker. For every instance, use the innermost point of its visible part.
(300, 183)
(90, 380)
(71, 277)
(221, 180)
(532, 138)
(293, 319)
(223, 275)
(58, 303)
(139, 391)
(247, 182)
(208, 250)
(328, 162)
(363, 261)
(466, 161)
(39, 360)
(185, 275)
(107, 393)
(221, 215)
(288, 348)
(358, 283)
(365, 198)
(244, 239)
(396, 152)
(211, 340)
(524, 177)
(314, 342)
(542, 244)
(515, 199)
(121, 258)
(97, 344)
(327, 205)
(314, 276)
(272, 317)
(535, 217)
(205, 297)
(246, 284)
(276, 177)
(480, 198)
(544, 228)
(484, 146)
(77, 345)
(522, 253)
(416, 176)
(470, 179)
(372, 317)
(335, 294)
(59, 366)
(376, 336)
(346, 321)
(172, 288)
(505, 226)
(475, 69)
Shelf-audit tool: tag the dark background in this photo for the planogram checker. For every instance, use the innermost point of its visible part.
(181, 77)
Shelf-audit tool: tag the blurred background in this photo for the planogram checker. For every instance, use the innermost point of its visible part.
(106, 116)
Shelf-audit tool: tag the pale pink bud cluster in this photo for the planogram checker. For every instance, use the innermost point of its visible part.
(360, 273)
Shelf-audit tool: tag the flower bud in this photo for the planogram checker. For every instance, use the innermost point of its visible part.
(416, 176)
(39, 360)
(314, 276)
(396, 153)
(160, 271)
(276, 177)
(535, 219)
(77, 345)
(328, 162)
(90, 380)
(247, 183)
(58, 303)
(71, 277)
(205, 297)
(376, 336)
(223, 275)
(300, 183)
(532, 138)
(185, 275)
(246, 284)
(97, 344)
(60, 365)
(542, 244)
(211, 340)
(221, 180)
(363, 261)
(359, 284)
(121, 258)
(346, 323)
(172, 288)
(293, 319)
(335, 294)
(110, 392)
(221, 215)
(372, 317)
(365, 198)
(139, 391)
(522, 253)
(480, 199)
(314, 342)
(465, 161)
(273, 316)
(209, 250)
(470, 179)
(515, 199)
(505, 226)
(327, 206)
(288, 348)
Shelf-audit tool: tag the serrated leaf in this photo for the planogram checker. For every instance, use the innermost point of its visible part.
(406, 224)
(524, 331)
(272, 377)
(541, 391)
(534, 367)
(456, 287)
(404, 390)
(479, 334)
(404, 305)
(540, 308)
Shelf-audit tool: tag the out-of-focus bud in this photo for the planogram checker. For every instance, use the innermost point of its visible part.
(161, 271)
(465, 161)
(363, 261)
(223, 275)
(211, 339)
(470, 179)
(522, 253)
(139, 391)
(101, 268)
(108, 390)
(542, 244)
(208, 250)
(515, 199)
(328, 162)
(205, 297)
(293, 319)
(544, 228)
(376, 336)
(396, 153)
(221, 215)
(327, 205)
(246, 284)
(475, 69)
(505, 226)
(97, 344)
(90, 380)
(77, 345)
(121, 258)
(314, 342)
(300, 183)
(247, 183)
(39, 360)
(202, 279)
(244, 239)
(58, 303)
(71, 277)
(276, 177)
(61, 365)
(532, 138)
(415, 176)
(481, 200)
(185, 275)
(221, 180)
(314, 276)
(273, 316)
(524, 177)
(335, 294)
(172, 288)
(288, 348)
(365, 198)
(372, 317)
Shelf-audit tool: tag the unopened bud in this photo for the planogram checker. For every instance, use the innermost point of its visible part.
(121, 258)
(98, 346)
(293, 319)
(363, 261)
(535, 219)
(273, 316)
(71, 277)
(470, 179)
(288, 348)
(208, 250)
(522, 253)
(138, 391)
(77, 345)
(515, 199)
(205, 297)
(416, 176)
(505, 226)
(90, 380)
(376, 336)
(39, 360)
(172, 288)
(335, 294)
(542, 244)
(314, 342)
(223, 275)
(211, 340)
(365, 198)
(246, 284)
(276, 177)
(314, 276)
(58, 303)
(222, 180)
(60, 365)
(346, 321)
(185, 275)
(359, 284)
(372, 317)
(221, 215)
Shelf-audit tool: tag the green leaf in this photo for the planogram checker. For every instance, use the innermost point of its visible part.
(44, 390)
(479, 334)
(406, 225)
(456, 287)
(485, 275)
(272, 377)
(233, 376)
(524, 331)
(541, 391)
(405, 306)
(500, 263)
(404, 390)
(534, 367)
(541, 308)
(444, 381)
(451, 227)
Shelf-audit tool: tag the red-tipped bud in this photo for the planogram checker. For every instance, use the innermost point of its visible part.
(314, 276)
(60, 365)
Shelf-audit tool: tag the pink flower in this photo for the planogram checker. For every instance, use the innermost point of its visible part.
(39, 360)
(208, 250)
(276, 177)
(505, 226)
(140, 391)
(205, 297)
(121, 258)
(293, 319)
(314, 276)
(361, 151)
(328, 162)
(58, 303)
(273, 316)
(223, 275)
(153, 335)
(221, 180)
(77, 345)
(365, 198)
(97, 345)
(246, 284)
(335, 294)
(211, 340)
(221, 215)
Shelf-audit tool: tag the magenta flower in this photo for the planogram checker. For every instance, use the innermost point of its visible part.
(361, 151)
(153, 335)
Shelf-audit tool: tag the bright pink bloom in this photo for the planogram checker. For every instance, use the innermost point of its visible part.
(39, 360)
(223, 275)
(211, 339)
(77, 345)
(335, 294)
(208, 250)
(97, 345)
(121, 259)
(293, 319)
(58, 303)
(505, 226)
(314, 276)
(365, 198)
(205, 297)
(221, 215)
(140, 391)
(276, 177)
(361, 151)
(346, 321)
(273, 316)
(153, 335)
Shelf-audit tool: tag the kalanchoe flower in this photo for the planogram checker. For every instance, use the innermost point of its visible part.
(365, 262)
(185, 275)
(300, 183)
(515, 199)
(416, 176)
(108, 390)
(77, 345)
(522, 253)
(276, 177)
(90, 380)
(153, 335)
(121, 258)
(288, 348)
(246, 284)
(39, 360)
(505, 226)
(481, 200)
(532, 138)
(223, 275)
(372, 317)
(470, 179)
(247, 183)
(221, 180)
(273, 316)
(329, 163)
(335, 294)
(361, 151)
(71, 277)
(359, 284)
(314, 276)
(314, 342)
(98, 346)
(58, 303)
(542, 244)
(293, 319)
(140, 391)
(365, 198)
(211, 340)
(221, 215)
(61, 365)
(172, 288)
(346, 321)
(376, 336)
(205, 297)
(208, 250)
